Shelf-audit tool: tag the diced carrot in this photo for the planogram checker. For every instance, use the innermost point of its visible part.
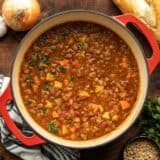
(76, 63)
(26, 96)
(134, 75)
(72, 113)
(125, 105)
(67, 96)
(66, 82)
(27, 91)
(54, 40)
(81, 54)
(70, 40)
(58, 102)
(76, 119)
(117, 59)
(124, 65)
(42, 78)
(83, 38)
(36, 80)
(35, 88)
(123, 94)
(72, 129)
(64, 62)
(124, 59)
(74, 47)
(26, 71)
(73, 136)
(83, 136)
(115, 118)
(128, 75)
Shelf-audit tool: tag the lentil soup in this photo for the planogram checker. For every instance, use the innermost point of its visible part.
(79, 81)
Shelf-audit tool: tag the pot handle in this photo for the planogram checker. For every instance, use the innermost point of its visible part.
(28, 141)
(154, 60)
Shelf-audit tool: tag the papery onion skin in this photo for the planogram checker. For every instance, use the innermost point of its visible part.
(21, 15)
(3, 27)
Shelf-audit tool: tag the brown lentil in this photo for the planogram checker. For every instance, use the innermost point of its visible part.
(141, 150)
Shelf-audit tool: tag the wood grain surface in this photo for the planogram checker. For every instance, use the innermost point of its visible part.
(9, 43)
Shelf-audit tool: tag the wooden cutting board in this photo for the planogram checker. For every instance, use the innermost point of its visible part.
(9, 43)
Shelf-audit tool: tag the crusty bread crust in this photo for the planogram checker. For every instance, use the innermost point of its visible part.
(147, 10)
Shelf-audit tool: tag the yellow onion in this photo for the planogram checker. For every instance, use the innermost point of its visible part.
(21, 15)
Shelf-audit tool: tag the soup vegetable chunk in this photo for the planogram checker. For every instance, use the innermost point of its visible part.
(79, 81)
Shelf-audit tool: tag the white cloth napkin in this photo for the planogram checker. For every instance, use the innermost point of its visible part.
(43, 152)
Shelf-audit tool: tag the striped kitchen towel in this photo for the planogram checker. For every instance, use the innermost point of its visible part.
(43, 152)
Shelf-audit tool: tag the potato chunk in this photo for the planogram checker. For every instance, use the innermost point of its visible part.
(48, 104)
(99, 89)
(49, 77)
(64, 130)
(57, 85)
(84, 94)
(96, 107)
(106, 115)
(55, 114)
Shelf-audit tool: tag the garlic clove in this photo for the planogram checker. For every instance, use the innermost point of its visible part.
(3, 27)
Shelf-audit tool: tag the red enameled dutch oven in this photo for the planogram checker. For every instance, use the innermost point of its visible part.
(116, 24)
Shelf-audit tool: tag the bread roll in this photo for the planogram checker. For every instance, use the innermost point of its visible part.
(147, 10)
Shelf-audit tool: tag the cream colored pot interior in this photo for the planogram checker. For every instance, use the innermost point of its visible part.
(89, 17)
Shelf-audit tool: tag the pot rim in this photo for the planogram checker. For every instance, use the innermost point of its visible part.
(77, 11)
